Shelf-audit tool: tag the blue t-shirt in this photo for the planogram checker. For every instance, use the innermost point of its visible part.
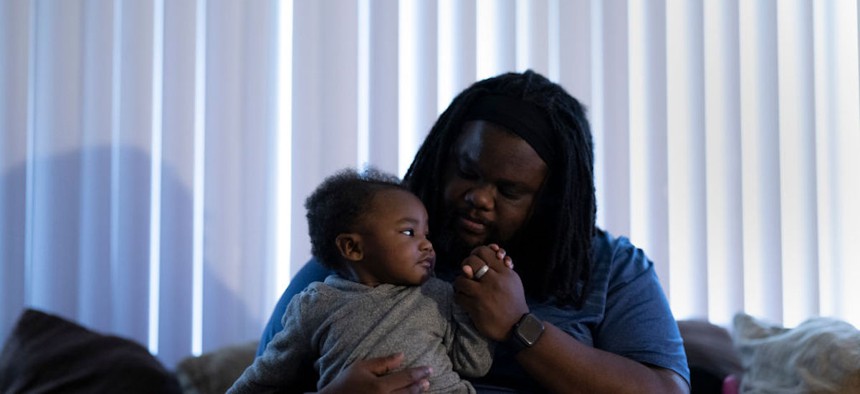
(626, 313)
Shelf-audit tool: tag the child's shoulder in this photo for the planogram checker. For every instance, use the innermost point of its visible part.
(315, 290)
(438, 285)
(333, 286)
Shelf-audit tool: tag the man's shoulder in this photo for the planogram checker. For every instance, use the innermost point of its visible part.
(605, 242)
(617, 257)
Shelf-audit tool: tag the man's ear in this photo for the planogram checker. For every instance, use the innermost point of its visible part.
(349, 246)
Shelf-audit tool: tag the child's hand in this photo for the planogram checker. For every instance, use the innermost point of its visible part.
(501, 254)
(478, 262)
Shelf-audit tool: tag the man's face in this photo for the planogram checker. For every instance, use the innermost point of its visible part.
(491, 185)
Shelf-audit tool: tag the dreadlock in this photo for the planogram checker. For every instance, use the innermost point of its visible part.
(556, 241)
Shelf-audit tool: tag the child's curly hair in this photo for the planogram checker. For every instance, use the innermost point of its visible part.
(338, 204)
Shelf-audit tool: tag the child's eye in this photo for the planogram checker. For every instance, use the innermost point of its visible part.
(410, 232)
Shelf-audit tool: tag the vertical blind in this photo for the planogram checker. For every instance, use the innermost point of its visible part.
(155, 155)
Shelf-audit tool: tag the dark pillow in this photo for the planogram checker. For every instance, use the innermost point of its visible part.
(46, 353)
(710, 354)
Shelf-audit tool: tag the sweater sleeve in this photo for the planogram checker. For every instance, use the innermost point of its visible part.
(471, 353)
(311, 272)
(287, 358)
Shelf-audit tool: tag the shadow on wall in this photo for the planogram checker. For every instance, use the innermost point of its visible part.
(83, 224)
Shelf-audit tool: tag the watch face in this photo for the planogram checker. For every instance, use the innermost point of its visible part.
(529, 329)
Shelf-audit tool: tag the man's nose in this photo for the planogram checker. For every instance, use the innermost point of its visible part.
(481, 196)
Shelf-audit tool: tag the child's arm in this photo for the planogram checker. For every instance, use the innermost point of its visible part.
(287, 358)
(311, 272)
(471, 353)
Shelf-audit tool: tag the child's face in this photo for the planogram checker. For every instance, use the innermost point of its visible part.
(394, 241)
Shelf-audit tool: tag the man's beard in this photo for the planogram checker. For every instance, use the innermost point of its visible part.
(451, 250)
(450, 247)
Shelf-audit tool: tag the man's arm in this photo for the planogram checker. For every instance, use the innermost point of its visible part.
(557, 360)
(563, 364)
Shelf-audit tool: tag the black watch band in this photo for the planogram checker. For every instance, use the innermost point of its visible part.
(526, 332)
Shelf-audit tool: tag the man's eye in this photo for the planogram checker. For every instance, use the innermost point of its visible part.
(466, 173)
(410, 232)
(510, 193)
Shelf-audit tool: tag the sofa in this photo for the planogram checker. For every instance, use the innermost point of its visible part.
(46, 353)
(820, 355)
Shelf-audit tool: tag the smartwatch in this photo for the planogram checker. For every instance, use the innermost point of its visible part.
(526, 332)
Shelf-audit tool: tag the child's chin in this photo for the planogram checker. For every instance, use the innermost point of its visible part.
(424, 278)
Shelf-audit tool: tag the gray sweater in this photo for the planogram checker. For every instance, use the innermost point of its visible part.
(332, 324)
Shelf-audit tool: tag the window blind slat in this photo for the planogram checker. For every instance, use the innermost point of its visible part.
(177, 183)
(54, 164)
(847, 137)
(532, 35)
(649, 223)
(686, 159)
(382, 90)
(797, 162)
(457, 48)
(496, 29)
(95, 295)
(15, 76)
(131, 170)
(759, 160)
(417, 76)
(723, 164)
(614, 142)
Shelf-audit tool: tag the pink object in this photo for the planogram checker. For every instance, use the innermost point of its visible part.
(731, 385)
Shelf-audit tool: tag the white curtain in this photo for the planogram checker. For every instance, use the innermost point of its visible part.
(155, 155)
(137, 168)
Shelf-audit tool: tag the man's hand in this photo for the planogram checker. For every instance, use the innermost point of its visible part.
(374, 376)
(479, 257)
(496, 301)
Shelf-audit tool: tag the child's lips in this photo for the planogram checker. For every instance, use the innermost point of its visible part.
(427, 263)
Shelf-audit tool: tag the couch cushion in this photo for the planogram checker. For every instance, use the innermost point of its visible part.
(821, 355)
(47, 353)
(214, 372)
(709, 348)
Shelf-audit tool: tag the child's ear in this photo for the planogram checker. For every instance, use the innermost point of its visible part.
(349, 245)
